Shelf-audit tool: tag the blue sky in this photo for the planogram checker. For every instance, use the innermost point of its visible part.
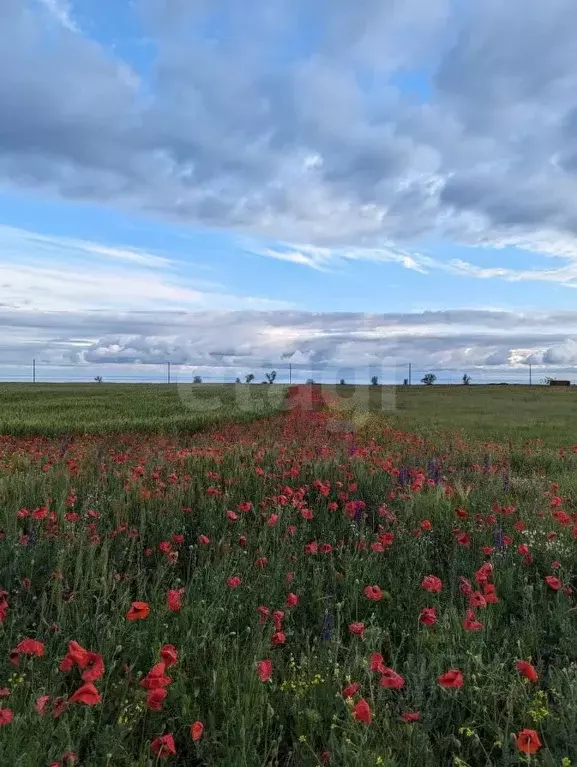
(405, 162)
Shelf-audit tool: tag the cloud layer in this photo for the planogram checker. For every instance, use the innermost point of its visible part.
(328, 345)
(59, 273)
(328, 124)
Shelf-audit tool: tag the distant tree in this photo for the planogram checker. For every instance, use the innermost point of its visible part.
(249, 378)
(342, 382)
(374, 381)
(310, 381)
(237, 380)
(98, 379)
(429, 379)
(197, 379)
(405, 381)
(270, 376)
(466, 379)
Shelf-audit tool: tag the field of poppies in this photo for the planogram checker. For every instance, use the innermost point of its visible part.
(305, 588)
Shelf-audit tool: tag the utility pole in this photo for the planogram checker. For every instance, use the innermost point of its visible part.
(168, 371)
(290, 373)
(409, 373)
(33, 371)
(530, 375)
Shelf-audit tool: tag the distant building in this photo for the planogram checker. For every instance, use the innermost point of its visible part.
(556, 382)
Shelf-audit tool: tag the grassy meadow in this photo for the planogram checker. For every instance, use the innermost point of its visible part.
(275, 578)
(517, 413)
(57, 409)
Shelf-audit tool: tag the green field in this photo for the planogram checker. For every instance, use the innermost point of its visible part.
(511, 413)
(55, 409)
(280, 592)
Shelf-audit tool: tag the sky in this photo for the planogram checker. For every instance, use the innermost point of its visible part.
(342, 187)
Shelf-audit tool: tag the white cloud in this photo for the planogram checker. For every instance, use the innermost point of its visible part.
(561, 354)
(228, 133)
(43, 273)
(327, 345)
(61, 11)
(323, 258)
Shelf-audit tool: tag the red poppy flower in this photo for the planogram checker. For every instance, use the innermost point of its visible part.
(169, 655)
(26, 647)
(554, 583)
(527, 670)
(462, 538)
(374, 593)
(156, 677)
(41, 703)
(362, 712)
(94, 667)
(391, 679)
(451, 679)
(376, 662)
(234, 582)
(476, 599)
(358, 629)
(491, 597)
(155, 698)
(292, 600)
(278, 639)
(528, 742)
(432, 583)
(138, 611)
(428, 616)
(163, 746)
(196, 730)
(174, 600)
(87, 694)
(351, 689)
(6, 716)
(484, 573)
(411, 716)
(204, 540)
(264, 668)
(471, 623)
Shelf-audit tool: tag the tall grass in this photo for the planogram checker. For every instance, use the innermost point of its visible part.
(289, 505)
